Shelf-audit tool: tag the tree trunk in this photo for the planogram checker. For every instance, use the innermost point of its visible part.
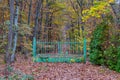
(40, 20)
(29, 13)
(27, 37)
(46, 23)
(36, 18)
(15, 31)
(10, 33)
(21, 10)
(80, 3)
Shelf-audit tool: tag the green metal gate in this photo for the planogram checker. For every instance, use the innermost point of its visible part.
(59, 51)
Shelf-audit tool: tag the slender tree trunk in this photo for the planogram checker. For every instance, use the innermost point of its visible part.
(21, 10)
(10, 33)
(46, 22)
(80, 3)
(10, 38)
(27, 37)
(41, 19)
(3, 16)
(36, 18)
(15, 31)
(29, 13)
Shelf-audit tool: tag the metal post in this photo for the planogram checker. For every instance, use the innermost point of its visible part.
(34, 47)
(59, 47)
(84, 50)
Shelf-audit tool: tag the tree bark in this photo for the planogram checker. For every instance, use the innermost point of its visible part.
(46, 22)
(15, 31)
(10, 33)
(37, 17)
(40, 20)
(21, 10)
(29, 13)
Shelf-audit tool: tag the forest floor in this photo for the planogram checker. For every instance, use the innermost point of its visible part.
(63, 71)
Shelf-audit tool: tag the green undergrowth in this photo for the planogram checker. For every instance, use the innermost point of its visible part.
(59, 59)
(16, 75)
(105, 50)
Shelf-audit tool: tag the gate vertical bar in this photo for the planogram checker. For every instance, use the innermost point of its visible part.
(34, 47)
(84, 49)
(59, 47)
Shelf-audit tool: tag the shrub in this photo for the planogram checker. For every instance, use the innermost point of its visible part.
(118, 60)
(105, 50)
(97, 44)
(110, 55)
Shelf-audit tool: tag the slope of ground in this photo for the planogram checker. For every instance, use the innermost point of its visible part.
(64, 71)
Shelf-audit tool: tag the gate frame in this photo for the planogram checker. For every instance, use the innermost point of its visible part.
(35, 50)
